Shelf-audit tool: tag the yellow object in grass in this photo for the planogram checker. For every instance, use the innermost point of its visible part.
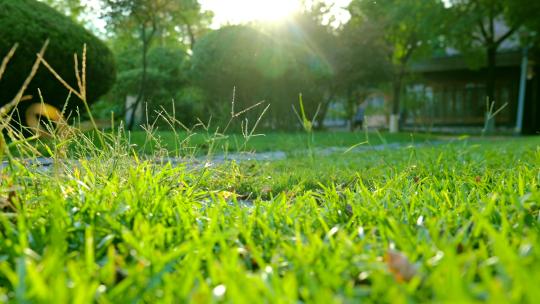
(39, 112)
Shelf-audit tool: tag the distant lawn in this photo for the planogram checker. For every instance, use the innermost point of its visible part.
(287, 142)
(181, 143)
(453, 223)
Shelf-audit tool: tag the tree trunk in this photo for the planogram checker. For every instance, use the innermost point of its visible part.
(140, 95)
(191, 36)
(323, 111)
(491, 76)
(351, 108)
(396, 101)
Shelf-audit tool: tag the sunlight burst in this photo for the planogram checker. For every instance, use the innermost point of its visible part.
(239, 11)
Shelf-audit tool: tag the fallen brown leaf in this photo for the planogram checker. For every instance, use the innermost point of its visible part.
(400, 266)
(266, 189)
(6, 202)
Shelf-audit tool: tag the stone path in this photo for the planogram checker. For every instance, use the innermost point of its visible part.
(45, 164)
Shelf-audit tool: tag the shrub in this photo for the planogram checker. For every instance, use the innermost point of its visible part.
(166, 81)
(270, 66)
(166, 73)
(31, 23)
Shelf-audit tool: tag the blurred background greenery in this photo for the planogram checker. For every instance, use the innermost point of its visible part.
(425, 63)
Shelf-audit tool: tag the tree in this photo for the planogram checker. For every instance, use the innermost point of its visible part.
(233, 57)
(148, 19)
(167, 79)
(411, 27)
(484, 25)
(526, 13)
(41, 22)
(194, 24)
(273, 65)
(364, 64)
(310, 35)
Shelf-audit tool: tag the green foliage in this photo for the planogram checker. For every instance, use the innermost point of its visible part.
(167, 68)
(483, 26)
(526, 13)
(475, 25)
(166, 81)
(188, 105)
(275, 66)
(171, 20)
(227, 58)
(138, 23)
(72, 8)
(364, 64)
(30, 23)
(364, 55)
(412, 29)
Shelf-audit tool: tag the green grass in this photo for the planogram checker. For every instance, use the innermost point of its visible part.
(201, 142)
(115, 229)
(287, 142)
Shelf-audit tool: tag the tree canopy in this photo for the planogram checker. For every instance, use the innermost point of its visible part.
(480, 28)
(148, 20)
(261, 66)
(412, 28)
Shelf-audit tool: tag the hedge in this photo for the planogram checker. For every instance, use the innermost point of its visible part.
(30, 23)
(274, 66)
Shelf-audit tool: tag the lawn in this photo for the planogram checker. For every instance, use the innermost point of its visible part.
(455, 221)
(203, 142)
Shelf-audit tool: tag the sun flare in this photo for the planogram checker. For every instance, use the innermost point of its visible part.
(239, 11)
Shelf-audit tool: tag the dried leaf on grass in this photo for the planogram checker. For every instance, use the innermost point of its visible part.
(400, 266)
(231, 195)
(6, 199)
(266, 190)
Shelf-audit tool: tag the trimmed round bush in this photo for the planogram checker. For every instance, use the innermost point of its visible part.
(30, 23)
(259, 65)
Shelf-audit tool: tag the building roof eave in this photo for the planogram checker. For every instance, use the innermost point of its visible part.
(458, 62)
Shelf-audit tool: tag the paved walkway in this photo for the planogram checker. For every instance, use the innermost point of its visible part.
(46, 164)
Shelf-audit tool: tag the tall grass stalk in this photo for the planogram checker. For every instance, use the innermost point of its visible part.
(307, 125)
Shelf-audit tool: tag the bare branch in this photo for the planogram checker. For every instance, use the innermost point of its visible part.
(13, 103)
(506, 36)
(7, 59)
(483, 31)
(62, 81)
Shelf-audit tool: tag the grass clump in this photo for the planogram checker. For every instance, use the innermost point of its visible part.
(115, 228)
